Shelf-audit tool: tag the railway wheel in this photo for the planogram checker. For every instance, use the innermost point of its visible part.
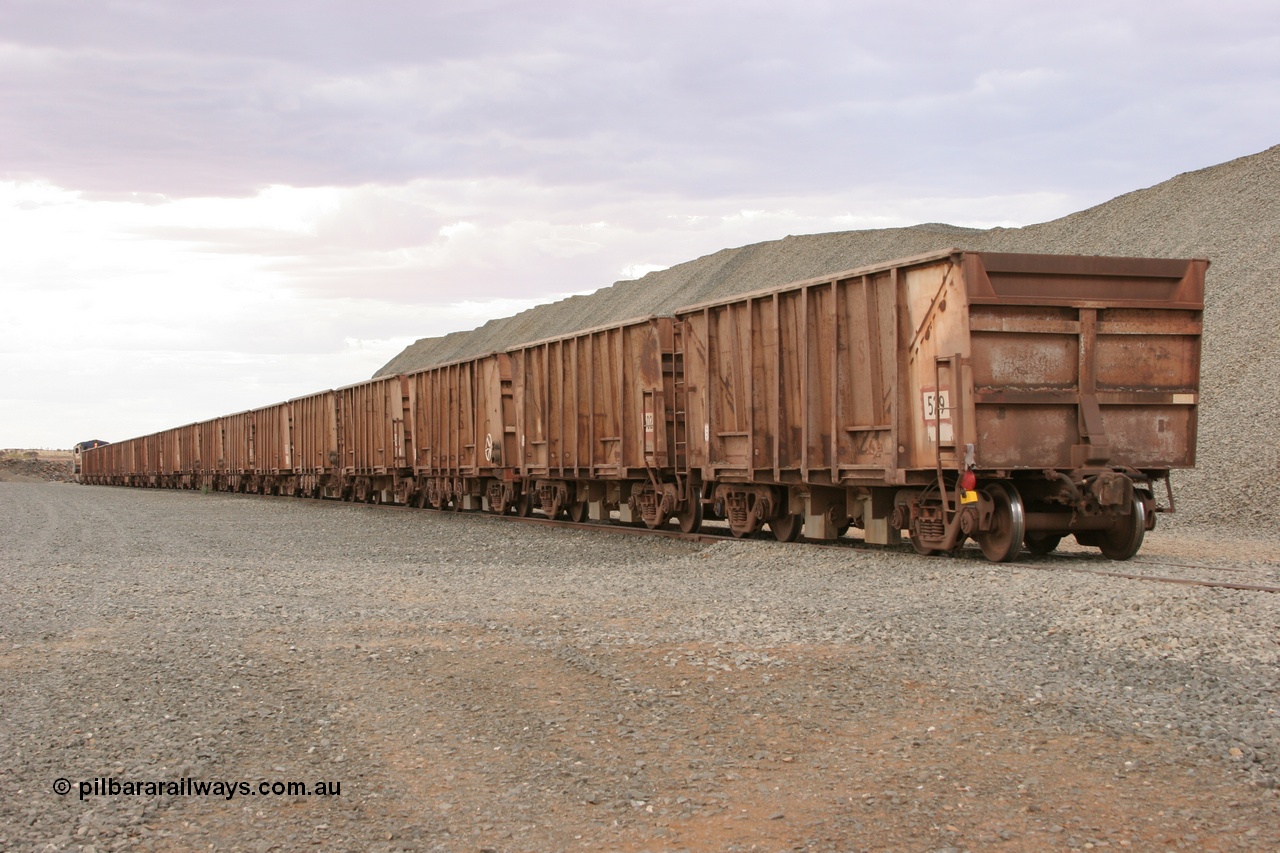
(1042, 543)
(1124, 539)
(787, 528)
(578, 511)
(690, 518)
(1003, 541)
(524, 506)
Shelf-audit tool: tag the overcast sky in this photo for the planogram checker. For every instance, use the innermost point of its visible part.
(211, 207)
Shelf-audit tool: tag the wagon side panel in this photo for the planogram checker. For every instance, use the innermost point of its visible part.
(933, 358)
(864, 381)
(271, 426)
(1085, 361)
(643, 399)
(207, 447)
(314, 434)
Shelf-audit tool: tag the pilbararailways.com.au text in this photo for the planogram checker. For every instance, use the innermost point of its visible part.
(188, 787)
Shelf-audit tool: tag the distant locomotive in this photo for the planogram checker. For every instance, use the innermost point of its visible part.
(1008, 399)
(80, 448)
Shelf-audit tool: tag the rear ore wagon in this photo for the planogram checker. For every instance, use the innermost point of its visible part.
(1009, 399)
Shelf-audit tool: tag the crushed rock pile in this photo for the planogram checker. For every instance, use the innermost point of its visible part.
(1228, 213)
(25, 467)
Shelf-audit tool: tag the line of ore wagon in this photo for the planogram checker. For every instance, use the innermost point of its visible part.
(1008, 399)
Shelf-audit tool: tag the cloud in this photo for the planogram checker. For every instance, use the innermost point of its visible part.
(423, 243)
(1003, 82)
(702, 99)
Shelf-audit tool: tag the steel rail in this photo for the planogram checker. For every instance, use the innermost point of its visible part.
(1154, 578)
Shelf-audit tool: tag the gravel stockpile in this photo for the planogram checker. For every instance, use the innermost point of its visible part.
(1228, 213)
(476, 684)
(26, 466)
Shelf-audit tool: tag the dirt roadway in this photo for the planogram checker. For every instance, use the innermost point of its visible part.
(472, 690)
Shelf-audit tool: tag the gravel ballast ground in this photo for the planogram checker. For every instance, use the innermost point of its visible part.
(479, 684)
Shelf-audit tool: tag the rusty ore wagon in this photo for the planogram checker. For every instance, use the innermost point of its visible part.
(1008, 399)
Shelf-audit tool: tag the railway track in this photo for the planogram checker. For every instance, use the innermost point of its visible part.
(1056, 565)
(1066, 562)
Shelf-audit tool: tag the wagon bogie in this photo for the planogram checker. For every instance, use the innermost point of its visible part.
(442, 493)
(554, 496)
(501, 496)
(656, 504)
(746, 507)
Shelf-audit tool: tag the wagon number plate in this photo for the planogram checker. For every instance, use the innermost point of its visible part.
(937, 414)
